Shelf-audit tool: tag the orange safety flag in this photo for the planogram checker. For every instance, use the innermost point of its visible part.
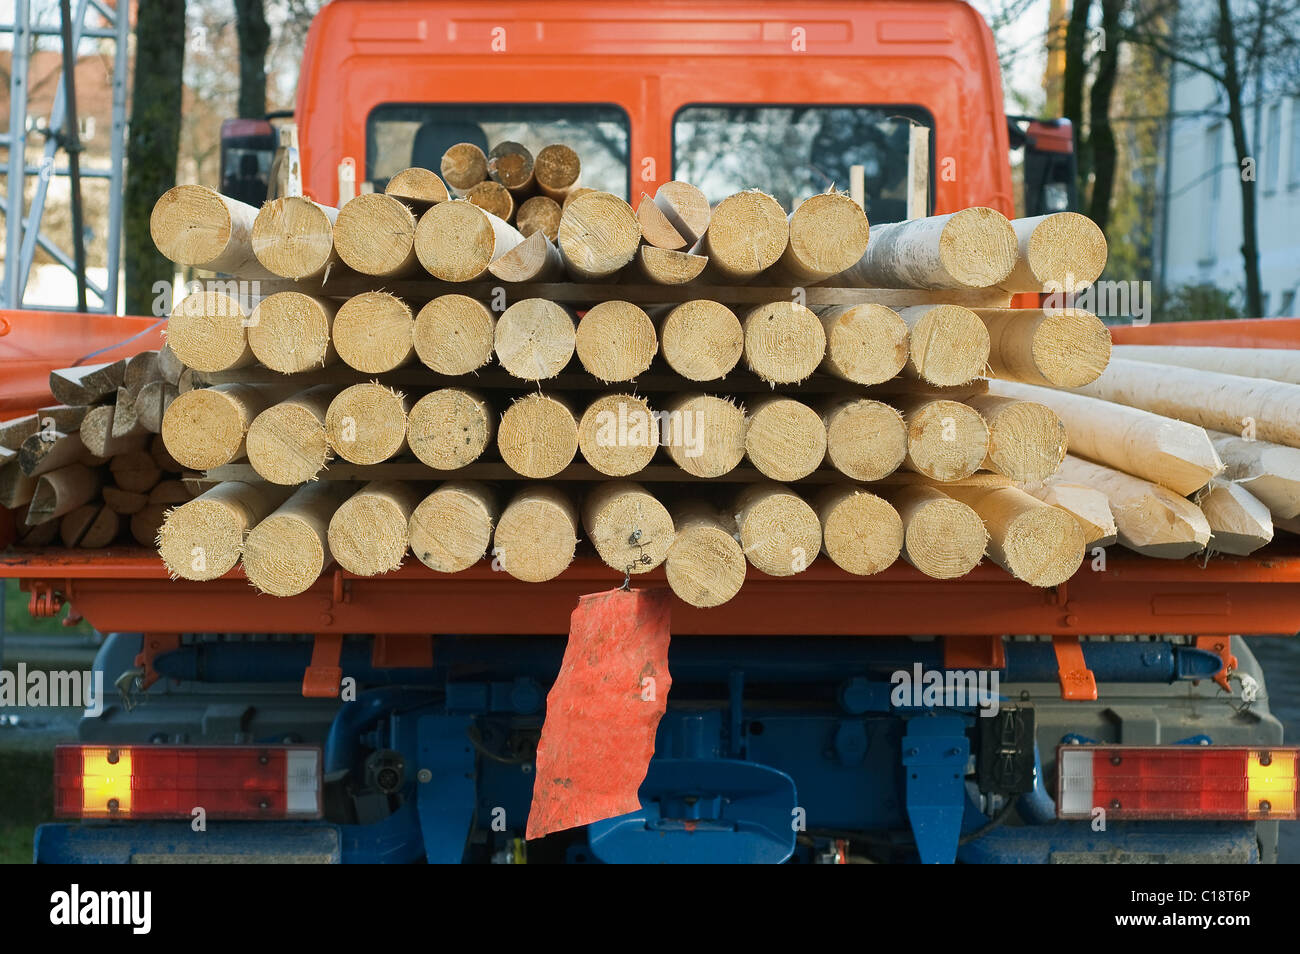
(603, 711)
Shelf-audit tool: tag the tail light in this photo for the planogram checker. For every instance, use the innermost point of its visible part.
(170, 781)
(1177, 782)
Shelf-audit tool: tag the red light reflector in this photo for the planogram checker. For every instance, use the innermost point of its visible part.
(1206, 782)
(170, 781)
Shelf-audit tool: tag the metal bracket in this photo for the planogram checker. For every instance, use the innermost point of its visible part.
(1221, 646)
(401, 652)
(1077, 682)
(321, 679)
(974, 652)
(935, 753)
(44, 600)
(153, 646)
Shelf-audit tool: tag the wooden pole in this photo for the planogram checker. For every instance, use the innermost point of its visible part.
(1149, 519)
(686, 209)
(512, 165)
(616, 341)
(450, 529)
(61, 491)
(535, 339)
(87, 383)
(537, 534)
(286, 443)
(705, 566)
(164, 460)
(205, 427)
(418, 187)
(45, 451)
(704, 435)
(457, 241)
(1067, 348)
(97, 433)
(366, 423)
(124, 502)
(1275, 364)
(135, 471)
(141, 368)
(702, 340)
(374, 234)
(535, 259)
(861, 533)
(973, 248)
(539, 214)
(374, 332)
(828, 234)
(287, 552)
(367, 534)
(779, 532)
(748, 233)
(599, 234)
(949, 344)
(291, 332)
(1088, 506)
(201, 539)
(1027, 440)
(494, 198)
(1270, 472)
(1031, 540)
(450, 428)
(293, 237)
(208, 331)
(629, 528)
(16, 430)
(557, 170)
(784, 439)
(16, 488)
(1239, 523)
(942, 537)
(1169, 452)
(946, 440)
(453, 334)
(193, 225)
(865, 344)
(657, 231)
(463, 166)
(664, 267)
(865, 439)
(618, 434)
(152, 403)
(1063, 251)
(538, 436)
(169, 366)
(784, 341)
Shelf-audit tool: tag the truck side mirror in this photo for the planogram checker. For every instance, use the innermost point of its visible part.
(1050, 169)
(247, 148)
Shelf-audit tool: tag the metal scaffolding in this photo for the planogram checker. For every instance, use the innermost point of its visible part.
(23, 233)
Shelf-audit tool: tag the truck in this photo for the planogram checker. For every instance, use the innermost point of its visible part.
(396, 718)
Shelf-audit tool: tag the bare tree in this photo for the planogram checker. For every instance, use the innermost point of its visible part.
(254, 41)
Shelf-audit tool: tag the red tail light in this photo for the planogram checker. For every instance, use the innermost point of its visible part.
(1177, 782)
(170, 781)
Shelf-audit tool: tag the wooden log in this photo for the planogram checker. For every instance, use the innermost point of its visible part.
(457, 241)
(704, 435)
(135, 471)
(657, 231)
(453, 334)
(374, 234)
(463, 166)
(164, 460)
(291, 332)
(193, 225)
(949, 344)
(1169, 452)
(1149, 519)
(535, 338)
(169, 365)
(664, 267)
(1275, 364)
(205, 427)
(494, 198)
(141, 368)
(599, 234)
(1063, 251)
(16, 488)
(286, 443)
(784, 341)
(828, 234)
(60, 417)
(16, 430)
(702, 340)
(1253, 407)
(103, 530)
(45, 451)
(618, 434)
(616, 341)
(374, 332)
(1027, 440)
(152, 402)
(87, 383)
(537, 534)
(865, 439)
(779, 532)
(7, 455)
(1059, 348)
(1033, 541)
(577, 193)
(946, 440)
(862, 534)
(146, 524)
(942, 537)
(629, 528)
(1270, 472)
(450, 428)
(125, 421)
(286, 552)
(208, 331)
(366, 423)
(293, 237)
(201, 539)
(125, 502)
(539, 214)
(169, 491)
(75, 523)
(41, 535)
(97, 433)
(511, 164)
(1089, 507)
(784, 439)
(557, 170)
(61, 491)
(538, 436)
(865, 344)
(535, 259)
(686, 209)
(747, 233)
(1239, 522)
(973, 248)
(450, 529)
(705, 565)
(418, 187)
(367, 534)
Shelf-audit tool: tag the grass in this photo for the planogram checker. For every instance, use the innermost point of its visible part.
(26, 800)
(18, 620)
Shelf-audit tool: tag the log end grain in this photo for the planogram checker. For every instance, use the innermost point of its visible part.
(616, 341)
(208, 331)
(366, 423)
(373, 332)
(538, 436)
(535, 338)
(293, 237)
(449, 428)
(618, 434)
(374, 234)
(702, 340)
(784, 341)
(450, 529)
(453, 334)
(784, 439)
(949, 345)
(865, 344)
(536, 536)
(704, 434)
(748, 233)
(978, 247)
(599, 234)
(861, 533)
(290, 332)
(865, 439)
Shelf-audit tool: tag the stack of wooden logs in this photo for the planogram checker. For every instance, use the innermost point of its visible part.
(93, 470)
(411, 373)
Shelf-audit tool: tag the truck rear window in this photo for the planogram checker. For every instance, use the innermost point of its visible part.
(402, 135)
(793, 152)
